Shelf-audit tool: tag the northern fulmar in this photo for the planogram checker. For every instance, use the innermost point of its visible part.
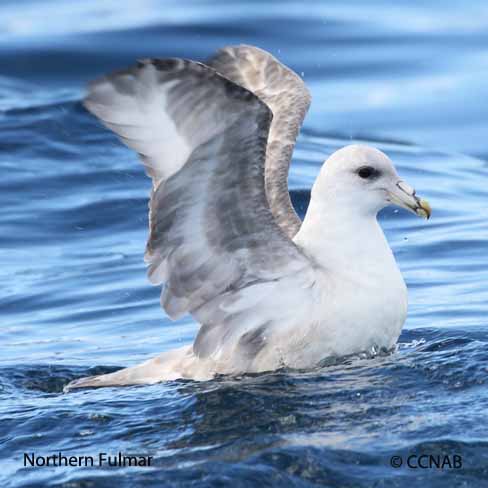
(269, 290)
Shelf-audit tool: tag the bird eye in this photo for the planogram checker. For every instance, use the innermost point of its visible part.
(367, 172)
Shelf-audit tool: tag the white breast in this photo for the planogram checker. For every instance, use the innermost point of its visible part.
(360, 297)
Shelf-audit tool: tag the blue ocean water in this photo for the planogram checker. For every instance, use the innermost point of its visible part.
(408, 77)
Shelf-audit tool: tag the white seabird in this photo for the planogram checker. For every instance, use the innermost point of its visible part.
(268, 290)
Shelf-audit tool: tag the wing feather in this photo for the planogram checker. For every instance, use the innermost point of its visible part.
(213, 237)
(286, 95)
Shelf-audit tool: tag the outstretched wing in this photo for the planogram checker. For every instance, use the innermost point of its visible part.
(284, 92)
(213, 239)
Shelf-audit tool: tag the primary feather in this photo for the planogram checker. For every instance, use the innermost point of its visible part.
(286, 95)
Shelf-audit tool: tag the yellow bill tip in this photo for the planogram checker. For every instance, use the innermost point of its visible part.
(424, 209)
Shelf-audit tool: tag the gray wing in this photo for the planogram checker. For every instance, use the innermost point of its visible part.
(213, 240)
(289, 99)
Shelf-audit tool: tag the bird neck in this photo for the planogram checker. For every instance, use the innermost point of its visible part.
(337, 237)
